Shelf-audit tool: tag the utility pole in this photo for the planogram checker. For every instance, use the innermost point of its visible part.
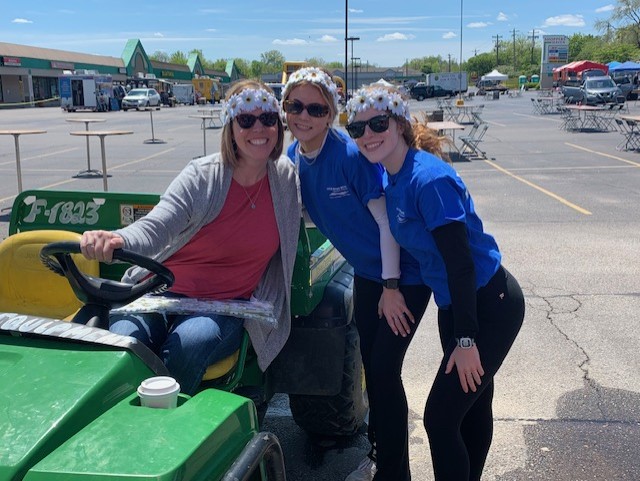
(514, 50)
(497, 37)
(449, 55)
(533, 37)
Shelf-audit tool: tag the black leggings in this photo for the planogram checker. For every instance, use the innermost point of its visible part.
(459, 425)
(382, 355)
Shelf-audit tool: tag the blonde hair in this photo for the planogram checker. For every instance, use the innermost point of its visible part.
(327, 95)
(228, 147)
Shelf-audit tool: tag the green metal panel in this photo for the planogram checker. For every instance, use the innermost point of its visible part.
(50, 389)
(196, 441)
(316, 262)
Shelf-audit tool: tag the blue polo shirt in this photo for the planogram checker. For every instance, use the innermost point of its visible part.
(336, 187)
(425, 194)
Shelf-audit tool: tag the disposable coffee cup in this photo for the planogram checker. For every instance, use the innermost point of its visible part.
(159, 392)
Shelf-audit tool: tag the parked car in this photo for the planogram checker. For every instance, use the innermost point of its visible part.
(594, 91)
(137, 98)
(627, 87)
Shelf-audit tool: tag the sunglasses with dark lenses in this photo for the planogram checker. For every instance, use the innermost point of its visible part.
(378, 124)
(268, 119)
(296, 107)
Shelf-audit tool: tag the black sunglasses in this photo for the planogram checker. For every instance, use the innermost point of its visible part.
(268, 119)
(378, 124)
(296, 107)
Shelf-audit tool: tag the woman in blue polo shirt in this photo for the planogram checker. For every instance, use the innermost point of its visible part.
(480, 304)
(343, 195)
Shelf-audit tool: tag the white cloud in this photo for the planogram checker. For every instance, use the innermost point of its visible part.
(449, 35)
(158, 34)
(502, 17)
(21, 20)
(606, 8)
(328, 39)
(355, 10)
(478, 25)
(211, 30)
(290, 41)
(565, 21)
(390, 37)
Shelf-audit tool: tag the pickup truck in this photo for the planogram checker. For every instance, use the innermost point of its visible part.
(594, 91)
(421, 92)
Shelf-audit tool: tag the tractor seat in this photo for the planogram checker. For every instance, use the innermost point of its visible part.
(28, 287)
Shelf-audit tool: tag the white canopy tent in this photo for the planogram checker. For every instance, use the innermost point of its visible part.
(495, 75)
(383, 83)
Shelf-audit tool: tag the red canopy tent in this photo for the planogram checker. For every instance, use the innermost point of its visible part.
(573, 69)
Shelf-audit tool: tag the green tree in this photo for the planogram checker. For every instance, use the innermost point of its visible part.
(272, 60)
(625, 15)
(160, 56)
(178, 58)
(481, 64)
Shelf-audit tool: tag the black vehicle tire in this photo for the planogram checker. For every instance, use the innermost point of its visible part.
(344, 413)
(420, 98)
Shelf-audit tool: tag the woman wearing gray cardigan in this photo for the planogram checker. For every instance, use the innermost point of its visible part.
(227, 227)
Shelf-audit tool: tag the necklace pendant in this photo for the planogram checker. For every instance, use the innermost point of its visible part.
(253, 206)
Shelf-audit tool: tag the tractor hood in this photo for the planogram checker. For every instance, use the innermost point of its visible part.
(55, 378)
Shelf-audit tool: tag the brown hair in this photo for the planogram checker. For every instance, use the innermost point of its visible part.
(228, 147)
(415, 133)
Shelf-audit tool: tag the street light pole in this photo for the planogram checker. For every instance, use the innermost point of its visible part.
(352, 39)
(346, 40)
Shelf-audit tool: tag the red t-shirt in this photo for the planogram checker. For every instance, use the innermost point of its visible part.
(226, 258)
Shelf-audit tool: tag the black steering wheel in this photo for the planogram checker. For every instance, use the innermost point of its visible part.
(101, 295)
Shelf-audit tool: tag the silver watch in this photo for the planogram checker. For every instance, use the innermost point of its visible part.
(465, 342)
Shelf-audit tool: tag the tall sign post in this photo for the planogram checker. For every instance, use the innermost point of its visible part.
(555, 53)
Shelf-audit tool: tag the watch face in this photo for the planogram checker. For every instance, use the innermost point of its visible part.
(391, 283)
(466, 342)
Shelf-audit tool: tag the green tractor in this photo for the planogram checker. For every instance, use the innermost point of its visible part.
(69, 406)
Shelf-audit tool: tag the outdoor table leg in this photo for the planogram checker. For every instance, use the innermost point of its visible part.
(204, 136)
(104, 164)
(18, 169)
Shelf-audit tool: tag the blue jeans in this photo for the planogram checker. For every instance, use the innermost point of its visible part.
(187, 343)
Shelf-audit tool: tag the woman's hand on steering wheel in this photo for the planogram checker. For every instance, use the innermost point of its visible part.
(100, 244)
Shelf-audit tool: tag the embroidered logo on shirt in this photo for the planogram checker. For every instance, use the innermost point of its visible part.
(400, 216)
(338, 192)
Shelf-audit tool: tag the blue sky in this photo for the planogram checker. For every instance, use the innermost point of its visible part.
(390, 31)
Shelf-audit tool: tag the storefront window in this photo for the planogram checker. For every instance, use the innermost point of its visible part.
(45, 88)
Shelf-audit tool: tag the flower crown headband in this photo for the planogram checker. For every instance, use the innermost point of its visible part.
(312, 75)
(379, 99)
(247, 100)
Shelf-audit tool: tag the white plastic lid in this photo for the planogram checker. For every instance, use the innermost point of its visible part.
(159, 386)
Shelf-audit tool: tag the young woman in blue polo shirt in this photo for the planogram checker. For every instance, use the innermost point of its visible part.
(481, 306)
(343, 195)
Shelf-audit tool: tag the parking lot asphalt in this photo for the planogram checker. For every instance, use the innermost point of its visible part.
(564, 209)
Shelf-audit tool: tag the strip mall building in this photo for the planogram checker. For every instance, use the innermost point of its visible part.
(29, 75)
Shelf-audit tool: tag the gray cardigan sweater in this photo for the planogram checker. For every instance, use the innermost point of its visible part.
(194, 199)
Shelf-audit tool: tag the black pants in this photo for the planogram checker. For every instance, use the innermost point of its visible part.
(459, 425)
(382, 355)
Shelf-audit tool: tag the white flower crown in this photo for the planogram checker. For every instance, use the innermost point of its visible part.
(247, 100)
(313, 75)
(379, 99)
